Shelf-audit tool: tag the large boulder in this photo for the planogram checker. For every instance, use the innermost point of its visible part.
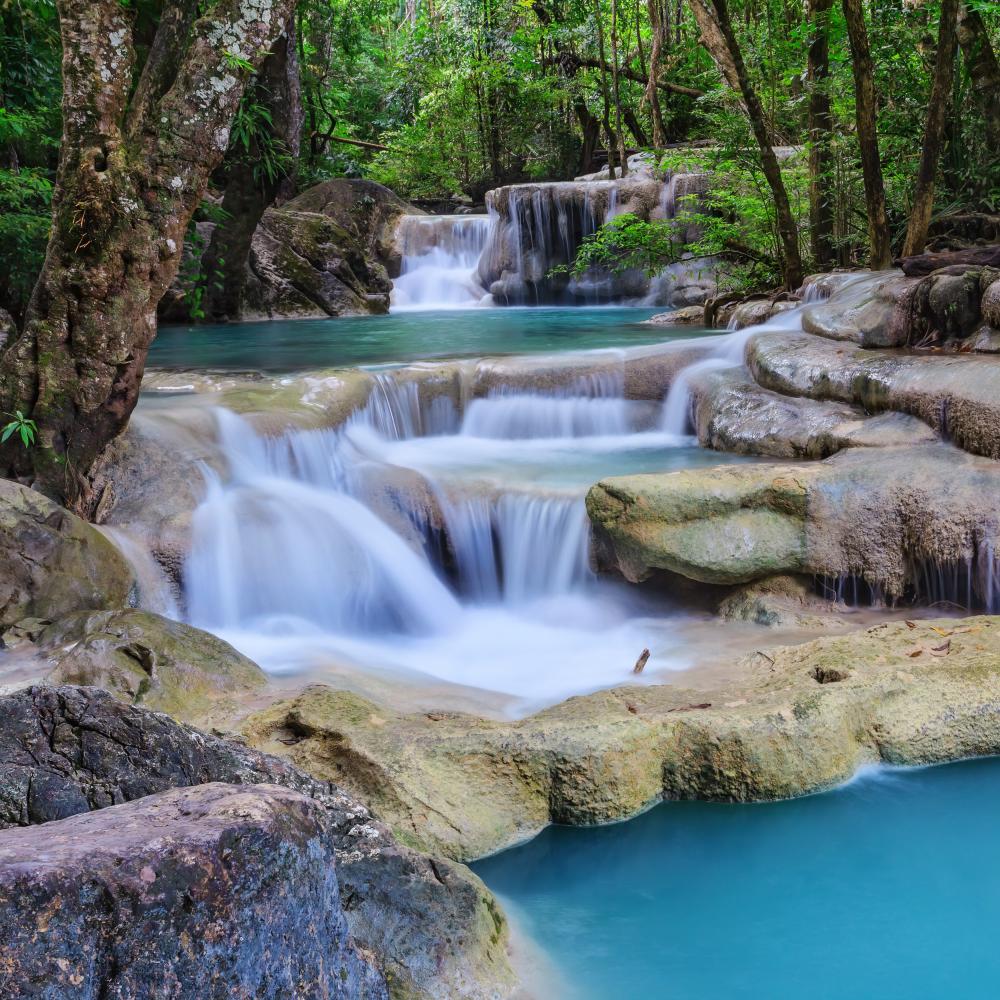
(195, 893)
(432, 926)
(369, 211)
(52, 562)
(307, 264)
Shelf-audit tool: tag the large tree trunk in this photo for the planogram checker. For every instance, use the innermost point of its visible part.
(937, 107)
(250, 189)
(864, 101)
(610, 138)
(131, 173)
(820, 134)
(714, 42)
(983, 68)
(787, 231)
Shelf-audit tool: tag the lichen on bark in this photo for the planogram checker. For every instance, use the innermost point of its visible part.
(138, 147)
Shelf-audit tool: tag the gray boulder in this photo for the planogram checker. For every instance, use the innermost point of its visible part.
(433, 928)
(202, 893)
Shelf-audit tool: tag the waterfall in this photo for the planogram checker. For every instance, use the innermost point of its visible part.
(440, 254)
(154, 591)
(517, 416)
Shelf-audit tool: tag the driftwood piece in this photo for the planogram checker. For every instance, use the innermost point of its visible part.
(641, 662)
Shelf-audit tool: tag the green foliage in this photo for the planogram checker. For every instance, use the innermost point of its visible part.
(627, 243)
(24, 427)
(25, 199)
(253, 139)
(192, 277)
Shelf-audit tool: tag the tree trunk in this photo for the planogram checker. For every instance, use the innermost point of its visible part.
(249, 189)
(937, 108)
(605, 95)
(864, 102)
(787, 231)
(131, 173)
(622, 158)
(983, 68)
(820, 134)
(714, 42)
(652, 93)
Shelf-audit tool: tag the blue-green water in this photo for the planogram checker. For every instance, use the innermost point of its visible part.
(409, 336)
(886, 888)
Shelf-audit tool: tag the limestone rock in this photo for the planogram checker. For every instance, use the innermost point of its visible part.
(732, 413)
(147, 659)
(781, 601)
(433, 927)
(52, 562)
(685, 316)
(369, 211)
(785, 721)
(894, 522)
(957, 395)
(216, 891)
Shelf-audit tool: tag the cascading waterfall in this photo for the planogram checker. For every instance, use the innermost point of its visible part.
(481, 582)
(440, 254)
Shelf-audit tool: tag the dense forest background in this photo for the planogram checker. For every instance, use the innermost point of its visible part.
(444, 99)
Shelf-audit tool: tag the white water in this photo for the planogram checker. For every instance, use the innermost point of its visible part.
(154, 591)
(439, 258)
(297, 556)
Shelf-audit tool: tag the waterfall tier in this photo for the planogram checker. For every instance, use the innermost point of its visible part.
(512, 256)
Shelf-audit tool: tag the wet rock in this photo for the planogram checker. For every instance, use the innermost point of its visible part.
(466, 786)
(781, 601)
(146, 659)
(52, 562)
(957, 395)
(432, 926)
(306, 264)
(685, 316)
(757, 311)
(235, 895)
(732, 413)
(894, 522)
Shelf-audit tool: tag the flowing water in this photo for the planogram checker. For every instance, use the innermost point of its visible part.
(887, 887)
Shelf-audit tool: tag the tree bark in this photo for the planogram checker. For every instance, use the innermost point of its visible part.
(820, 134)
(131, 173)
(652, 93)
(787, 231)
(615, 83)
(714, 42)
(249, 192)
(880, 254)
(983, 68)
(937, 109)
(605, 95)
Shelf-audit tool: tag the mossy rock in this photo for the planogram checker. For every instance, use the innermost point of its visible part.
(146, 659)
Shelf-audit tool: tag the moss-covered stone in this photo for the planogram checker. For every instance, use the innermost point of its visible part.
(146, 659)
(52, 562)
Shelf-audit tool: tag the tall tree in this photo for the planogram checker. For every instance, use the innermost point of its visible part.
(820, 133)
(134, 164)
(880, 252)
(787, 231)
(661, 33)
(616, 85)
(983, 69)
(937, 107)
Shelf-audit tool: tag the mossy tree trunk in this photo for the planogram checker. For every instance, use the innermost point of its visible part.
(135, 160)
(255, 178)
